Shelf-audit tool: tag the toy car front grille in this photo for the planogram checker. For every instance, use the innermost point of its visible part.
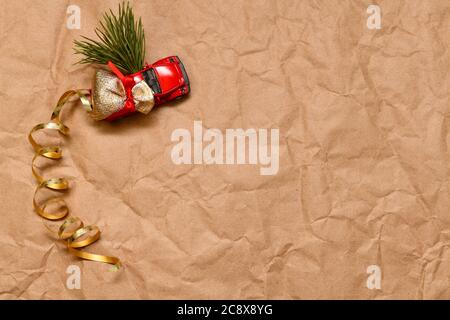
(185, 76)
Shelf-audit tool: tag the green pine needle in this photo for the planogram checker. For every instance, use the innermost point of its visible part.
(121, 40)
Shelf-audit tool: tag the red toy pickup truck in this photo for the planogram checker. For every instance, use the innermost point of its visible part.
(167, 79)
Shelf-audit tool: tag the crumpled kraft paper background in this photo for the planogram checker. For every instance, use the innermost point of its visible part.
(364, 154)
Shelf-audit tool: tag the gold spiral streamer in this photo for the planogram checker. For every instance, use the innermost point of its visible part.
(72, 231)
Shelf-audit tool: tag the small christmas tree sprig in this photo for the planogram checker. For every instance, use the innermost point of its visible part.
(121, 41)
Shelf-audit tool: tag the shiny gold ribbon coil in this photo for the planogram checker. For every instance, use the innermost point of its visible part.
(72, 231)
(109, 95)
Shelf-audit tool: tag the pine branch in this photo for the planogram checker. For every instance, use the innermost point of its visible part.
(121, 40)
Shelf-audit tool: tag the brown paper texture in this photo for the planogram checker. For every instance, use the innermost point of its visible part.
(364, 162)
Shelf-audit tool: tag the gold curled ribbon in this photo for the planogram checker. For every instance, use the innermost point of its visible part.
(72, 231)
